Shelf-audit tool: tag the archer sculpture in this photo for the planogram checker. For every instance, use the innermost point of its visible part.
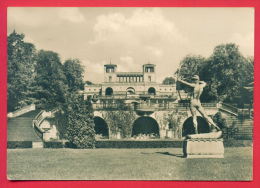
(195, 106)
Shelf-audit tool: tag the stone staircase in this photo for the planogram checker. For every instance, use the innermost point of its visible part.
(20, 128)
(244, 126)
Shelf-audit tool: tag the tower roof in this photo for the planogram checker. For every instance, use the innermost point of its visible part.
(149, 65)
(110, 65)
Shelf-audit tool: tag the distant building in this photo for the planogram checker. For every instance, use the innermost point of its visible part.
(130, 84)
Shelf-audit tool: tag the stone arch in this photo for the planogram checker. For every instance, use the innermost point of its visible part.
(101, 127)
(145, 125)
(109, 91)
(130, 91)
(151, 91)
(188, 128)
(99, 114)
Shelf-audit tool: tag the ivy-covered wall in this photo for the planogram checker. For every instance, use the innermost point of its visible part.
(119, 122)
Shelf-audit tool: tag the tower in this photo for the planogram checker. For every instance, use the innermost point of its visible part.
(149, 72)
(110, 72)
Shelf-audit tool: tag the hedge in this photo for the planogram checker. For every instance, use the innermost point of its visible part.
(54, 144)
(125, 144)
(138, 144)
(19, 144)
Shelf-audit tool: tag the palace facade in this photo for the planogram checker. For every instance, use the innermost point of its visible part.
(130, 84)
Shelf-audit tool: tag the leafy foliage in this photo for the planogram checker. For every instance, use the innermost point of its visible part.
(80, 123)
(173, 121)
(220, 120)
(41, 78)
(21, 71)
(189, 66)
(226, 72)
(51, 85)
(73, 71)
(120, 121)
(168, 81)
(88, 82)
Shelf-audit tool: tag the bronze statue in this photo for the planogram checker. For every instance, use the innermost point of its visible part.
(195, 105)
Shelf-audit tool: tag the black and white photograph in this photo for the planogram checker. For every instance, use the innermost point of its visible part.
(130, 93)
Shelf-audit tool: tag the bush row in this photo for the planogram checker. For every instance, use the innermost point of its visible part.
(19, 144)
(125, 144)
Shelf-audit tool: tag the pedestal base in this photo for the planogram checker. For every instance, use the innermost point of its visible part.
(37, 144)
(203, 148)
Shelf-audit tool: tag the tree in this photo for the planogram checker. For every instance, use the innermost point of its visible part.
(168, 81)
(80, 124)
(189, 66)
(51, 81)
(88, 82)
(225, 73)
(21, 71)
(73, 71)
(249, 71)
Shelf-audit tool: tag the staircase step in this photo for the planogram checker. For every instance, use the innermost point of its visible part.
(21, 129)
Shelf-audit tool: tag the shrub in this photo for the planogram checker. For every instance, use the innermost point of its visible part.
(120, 121)
(54, 144)
(80, 124)
(220, 120)
(19, 144)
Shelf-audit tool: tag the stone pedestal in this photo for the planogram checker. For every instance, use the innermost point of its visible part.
(203, 148)
(37, 144)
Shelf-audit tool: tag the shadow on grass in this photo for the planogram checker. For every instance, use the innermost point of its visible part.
(165, 153)
(171, 154)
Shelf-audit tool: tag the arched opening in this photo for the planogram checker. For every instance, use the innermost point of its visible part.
(130, 91)
(146, 126)
(101, 128)
(151, 91)
(188, 128)
(109, 91)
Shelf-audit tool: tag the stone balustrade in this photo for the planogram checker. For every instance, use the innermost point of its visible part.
(21, 111)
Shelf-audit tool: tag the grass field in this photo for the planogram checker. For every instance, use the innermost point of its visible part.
(126, 164)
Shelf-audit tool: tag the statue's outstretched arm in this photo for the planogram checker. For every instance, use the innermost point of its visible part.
(203, 83)
(186, 83)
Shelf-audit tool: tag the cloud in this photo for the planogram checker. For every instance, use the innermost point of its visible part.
(144, 26)
(131, 40)
(127, 63)
(43, 17)
(94, 70)
(156, 51)
(27, 16)
(71, 14)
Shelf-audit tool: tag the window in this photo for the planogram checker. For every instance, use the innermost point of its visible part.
(110, 78)
(149, 78)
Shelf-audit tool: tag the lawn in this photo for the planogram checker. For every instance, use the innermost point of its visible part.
(126, 164)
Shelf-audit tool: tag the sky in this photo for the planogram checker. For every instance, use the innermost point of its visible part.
(131, 37)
